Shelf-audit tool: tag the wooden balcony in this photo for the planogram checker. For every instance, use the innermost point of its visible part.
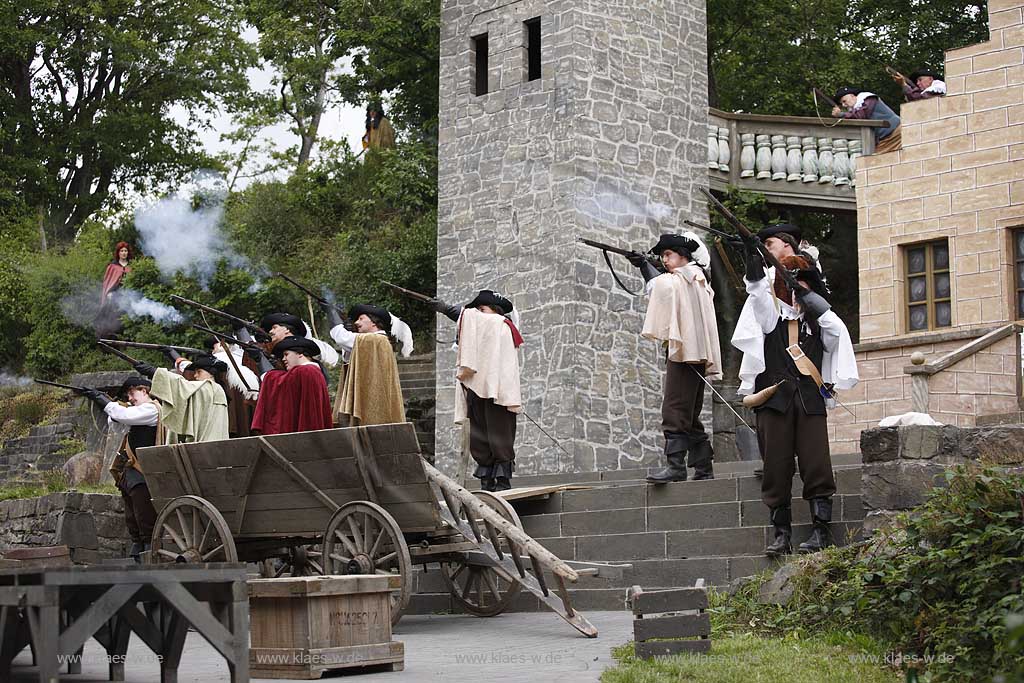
(793, 160)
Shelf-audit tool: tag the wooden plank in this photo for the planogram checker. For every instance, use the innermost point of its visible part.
(199, 616)
(314, 520)
(92, 619)
(294, 500)
(675, 600)
(274, 455)
(313, 586)
(190, 486)
(393, 438)
(679, 626)
(368, 473)
(244, 499)
(664, 648)
(531, 492)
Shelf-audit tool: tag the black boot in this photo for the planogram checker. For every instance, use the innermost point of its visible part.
(487, 484)
(782, 522)
(821, 537)
(502, 484)
(701, 456)
(676, 446)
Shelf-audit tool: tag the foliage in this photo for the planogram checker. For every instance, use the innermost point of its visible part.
(939, 588)
(53, 481)
(827, 43)
(21, 409)
(744, 657)
(87, 92)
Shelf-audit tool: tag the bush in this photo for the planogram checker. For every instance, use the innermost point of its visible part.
(22, 409)
(941, 586)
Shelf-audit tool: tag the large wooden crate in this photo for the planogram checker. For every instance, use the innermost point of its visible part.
(304, 626)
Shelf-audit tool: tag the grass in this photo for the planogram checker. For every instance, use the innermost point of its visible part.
(749, 658)
(53, 481)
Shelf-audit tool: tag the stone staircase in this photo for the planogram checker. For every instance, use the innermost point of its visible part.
(418, 379)
(672, 534)
(24, 460)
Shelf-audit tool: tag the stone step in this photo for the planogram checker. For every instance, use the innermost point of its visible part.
(638, 495)
(417, 384)
(59, 428)
(418, 392)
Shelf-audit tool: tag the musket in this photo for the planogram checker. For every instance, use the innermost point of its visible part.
(817, 91)
(707, 228)
(893, 72)
(415, 296)
(155, 347)
(59, 385)
(313, 295)
(234, 340)
(628, 253)
(123, 356)
(258, 332)
(747, 235)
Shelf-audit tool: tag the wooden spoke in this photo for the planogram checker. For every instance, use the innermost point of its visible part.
(372, 543)
(187, 514)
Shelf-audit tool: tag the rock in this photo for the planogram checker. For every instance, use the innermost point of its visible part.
(77, 530)
(899, 485)
(83, 468)
(779, 589)
(880, 444)
(1001, 445)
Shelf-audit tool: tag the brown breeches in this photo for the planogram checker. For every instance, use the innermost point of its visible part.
(785, 436)
(684, 399)
(139, 513)
(492, 431)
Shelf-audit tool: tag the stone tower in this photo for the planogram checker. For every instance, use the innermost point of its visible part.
(562, 120)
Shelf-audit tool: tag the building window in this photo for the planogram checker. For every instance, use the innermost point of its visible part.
(929, 304)
(532, 30)
(1018, 271)
(480, 64)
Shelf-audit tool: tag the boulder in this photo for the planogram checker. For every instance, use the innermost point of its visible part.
(83, 468)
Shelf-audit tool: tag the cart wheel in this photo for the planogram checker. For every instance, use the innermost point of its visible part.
(190, 529)
(481, 590)
(297, 560)
(363, 538)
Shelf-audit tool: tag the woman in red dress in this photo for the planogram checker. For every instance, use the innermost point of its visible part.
(116, 270)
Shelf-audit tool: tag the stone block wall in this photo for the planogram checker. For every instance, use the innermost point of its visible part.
(903, 464)
(959, 176)
(90, 524)
(610, 144)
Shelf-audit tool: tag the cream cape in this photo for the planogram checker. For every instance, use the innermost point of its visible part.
(190, 410)
(487, 362)
(681, 313)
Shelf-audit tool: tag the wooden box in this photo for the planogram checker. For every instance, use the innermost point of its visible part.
(670, 622)
(303, 626)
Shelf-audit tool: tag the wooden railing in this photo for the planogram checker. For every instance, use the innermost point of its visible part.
(793, 160)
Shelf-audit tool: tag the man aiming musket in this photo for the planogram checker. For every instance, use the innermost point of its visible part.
(796, 350)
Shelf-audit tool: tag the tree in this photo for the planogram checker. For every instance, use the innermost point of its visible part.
(92, 97)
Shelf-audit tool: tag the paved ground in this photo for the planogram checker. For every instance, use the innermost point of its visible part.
(521, 648)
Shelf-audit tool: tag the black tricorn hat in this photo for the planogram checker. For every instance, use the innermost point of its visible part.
(845, 90)
(775, 229)
(924, 72)
(292, 322)
(307, 347)
(487, 297)
(678, 243)
(372, 311)
(135, 381)
(208, 363)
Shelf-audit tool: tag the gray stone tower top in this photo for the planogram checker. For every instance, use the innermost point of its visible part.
(562, 120)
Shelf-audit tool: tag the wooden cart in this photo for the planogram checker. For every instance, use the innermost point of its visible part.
(349, 501)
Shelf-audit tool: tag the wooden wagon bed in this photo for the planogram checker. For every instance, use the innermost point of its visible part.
(342, 501)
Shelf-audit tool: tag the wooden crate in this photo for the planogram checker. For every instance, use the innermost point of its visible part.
(45, 557)
(304, 626)
(670, 622)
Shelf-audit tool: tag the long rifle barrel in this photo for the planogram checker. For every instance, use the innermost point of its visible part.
(111, 350)
(155, 347)
(313, 295)
(707, 228)
(607, 247)
(416, 296)
(257, 331)
(893, 72)
(58, 385)
(233, 340)
(822, 95)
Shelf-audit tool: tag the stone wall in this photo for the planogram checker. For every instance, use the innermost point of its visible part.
(90, 524)
(610, 144)
(959, 176)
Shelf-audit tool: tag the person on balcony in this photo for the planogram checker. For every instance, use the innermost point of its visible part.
(861, 104)
(922, 85)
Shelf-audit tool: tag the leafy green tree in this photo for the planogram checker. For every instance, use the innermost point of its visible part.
(87, 91)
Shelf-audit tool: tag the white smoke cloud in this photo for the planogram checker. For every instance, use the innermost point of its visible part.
(134, 305)
(184, 238)
(83, 308)
(8, 379)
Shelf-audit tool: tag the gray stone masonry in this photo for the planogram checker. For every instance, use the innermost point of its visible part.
(902, 464)
(90, 524)
(609, 144)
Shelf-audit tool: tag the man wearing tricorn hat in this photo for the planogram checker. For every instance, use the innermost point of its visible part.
(142, 416)
(281, 325)
(796, 350)
(861, 104)
(921, 85)
(371, 392)
(681, 316)
(488, 394)
(294, 399)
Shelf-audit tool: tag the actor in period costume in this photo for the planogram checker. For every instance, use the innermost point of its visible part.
(370, 391)
(116, 270)
(488, 395)
(681, 316)
(281, 325)
(294, 399)
(861, 104)
(190, 410)
(379, 132)
(796, 350)
(926, 85)
(241, 387)
(141, 415)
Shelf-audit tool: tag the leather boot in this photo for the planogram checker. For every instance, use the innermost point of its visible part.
(676, 446)
(701, 456)
(502, 484)
(821, 537)
(782, 522)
